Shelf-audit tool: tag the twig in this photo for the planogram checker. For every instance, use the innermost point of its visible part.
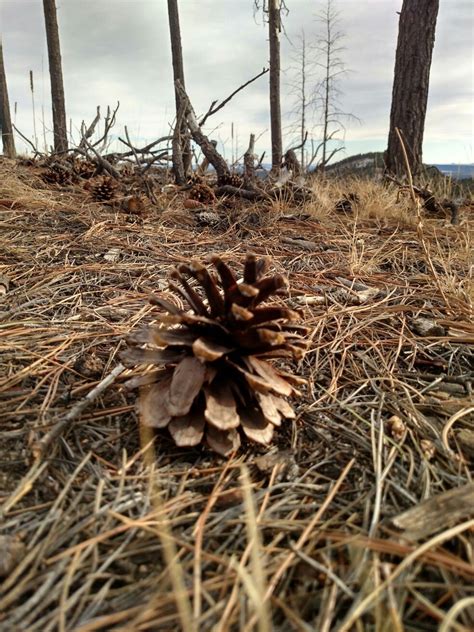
(407, 165)
(90, 130)
(372, 597)
(37, 153)
(41, 446)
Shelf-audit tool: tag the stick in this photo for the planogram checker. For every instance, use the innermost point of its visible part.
(41, 446)
(105, 164)
(90, 130)
(407, 165)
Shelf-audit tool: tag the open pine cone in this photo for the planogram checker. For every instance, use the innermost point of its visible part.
(85, 169)
(202, 193)
(231, 179)
(216, 377)
(57, 174)
(103, 189)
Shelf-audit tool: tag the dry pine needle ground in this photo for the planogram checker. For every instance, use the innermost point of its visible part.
(112, 531)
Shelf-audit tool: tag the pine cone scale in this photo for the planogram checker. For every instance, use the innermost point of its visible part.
(188, 379)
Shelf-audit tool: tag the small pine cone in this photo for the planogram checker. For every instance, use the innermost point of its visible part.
(133, 205)
(85, 169)
(202, 193)
(103, 189)
(346, 204)
(195, 179)
(216, 382)
(231, 179)
(57, 174)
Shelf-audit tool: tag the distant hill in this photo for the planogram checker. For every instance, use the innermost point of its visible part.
(372, 163)
(460, 172)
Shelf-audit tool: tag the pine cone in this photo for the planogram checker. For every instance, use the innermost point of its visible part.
(346, 203)
(57, 174)
(202, 193)
(103, 189)
(85, 169)
(231, 179)
(216, 378)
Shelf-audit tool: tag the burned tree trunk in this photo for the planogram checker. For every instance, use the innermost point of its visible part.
(56, 76)
(416, 36)
(5, 118)
(181, 145)
(274, 28)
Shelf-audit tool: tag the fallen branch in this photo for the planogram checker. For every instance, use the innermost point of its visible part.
(103, 162)
(207, 148)
(227, 189)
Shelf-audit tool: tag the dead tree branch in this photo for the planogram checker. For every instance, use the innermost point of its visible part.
(213, 109)
(87, 133)
(27, 140)
(207, 148)
(101, 161)
(249, 164)
(109, 123)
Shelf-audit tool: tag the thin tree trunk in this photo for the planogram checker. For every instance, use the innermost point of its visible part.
(274, 28)
(327, 87)
(56, 76)
(416, 36)
(303, 100)
(5, 118)
(181, 145)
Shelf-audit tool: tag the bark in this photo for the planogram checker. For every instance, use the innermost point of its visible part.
(56, 76)
(5, 118)
(181, 144)
(416, 36)
(274, 28)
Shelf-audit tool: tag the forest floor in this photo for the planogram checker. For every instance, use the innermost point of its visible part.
(359, 517)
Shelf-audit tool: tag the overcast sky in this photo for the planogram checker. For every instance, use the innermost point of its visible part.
(118, 50)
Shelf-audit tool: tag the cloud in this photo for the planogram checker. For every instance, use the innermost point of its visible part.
(119, 50)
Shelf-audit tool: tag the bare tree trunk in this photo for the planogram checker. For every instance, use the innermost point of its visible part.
(327, 80)
(56, 75)
(416, 36)
(181, 145)
(274, 28)
(303, 99)
(5, 118)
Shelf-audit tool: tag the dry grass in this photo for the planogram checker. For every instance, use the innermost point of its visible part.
(117, 530)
